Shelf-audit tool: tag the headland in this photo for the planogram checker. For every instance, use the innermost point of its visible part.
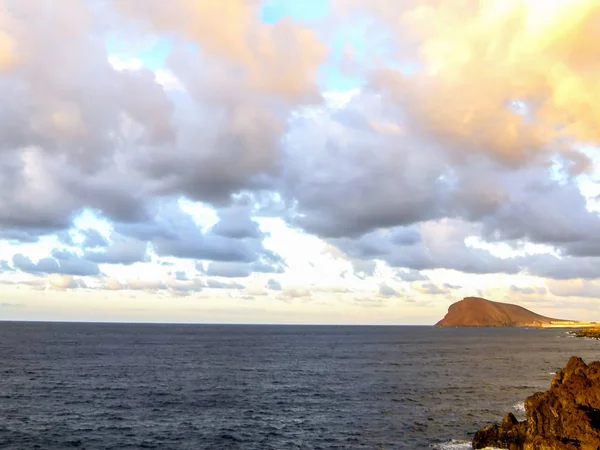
(479, 312)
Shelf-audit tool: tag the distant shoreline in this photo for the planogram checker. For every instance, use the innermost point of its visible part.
(570, 324)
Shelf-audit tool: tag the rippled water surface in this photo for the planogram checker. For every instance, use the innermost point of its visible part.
(121, 386)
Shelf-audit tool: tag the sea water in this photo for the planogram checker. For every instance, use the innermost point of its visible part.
(123, 386)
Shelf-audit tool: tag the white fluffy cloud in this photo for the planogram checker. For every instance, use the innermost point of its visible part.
(469, 125)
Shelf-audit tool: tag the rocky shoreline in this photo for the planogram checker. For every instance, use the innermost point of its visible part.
(565, 417)
(592, 333)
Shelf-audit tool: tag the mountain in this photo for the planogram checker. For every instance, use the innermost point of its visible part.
(479, 312)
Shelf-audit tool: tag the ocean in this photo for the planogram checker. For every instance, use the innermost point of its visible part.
(130, 386)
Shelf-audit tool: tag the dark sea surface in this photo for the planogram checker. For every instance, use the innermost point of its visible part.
(121, 386)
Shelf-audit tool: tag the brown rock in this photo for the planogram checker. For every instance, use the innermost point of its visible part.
(566, 417)
(479, 312)
(510, 434)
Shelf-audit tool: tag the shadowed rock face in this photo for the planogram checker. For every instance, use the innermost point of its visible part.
(566, 417)
(479, 312)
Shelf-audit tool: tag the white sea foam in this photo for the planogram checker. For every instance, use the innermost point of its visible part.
(519, 407)
(458, 445)
(453, 445)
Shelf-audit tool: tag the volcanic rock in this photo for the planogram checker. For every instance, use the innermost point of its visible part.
(566, 417)
(479, 312)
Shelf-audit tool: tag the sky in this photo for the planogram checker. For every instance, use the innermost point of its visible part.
(280, 161)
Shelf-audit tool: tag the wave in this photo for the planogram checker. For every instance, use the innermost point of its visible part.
(453, 445)
(458, 445)
(519, 407)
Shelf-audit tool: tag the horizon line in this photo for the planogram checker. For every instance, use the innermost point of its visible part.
(96, 322)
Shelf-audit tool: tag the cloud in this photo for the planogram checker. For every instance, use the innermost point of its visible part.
(442, 245)
(119, 251)
(216, 284)
(410, 275)
(331, 289)
(522, 290)
(409, 180)
(145, 285)
(274, 285)
(93, 239)
(131, 142)
(294, 293)
(387, 291)
(61, 262)
(258, 54)
(431, 289)
(475, 59)
(173, 232)
(180, 275)
(228, 270)
(235, 222)
(364, 268)
(465, 138)
(63, 282)
(10, 305)
(575, 288)
(369, 302)
(60, 146)
(112, 284)
(185, 287)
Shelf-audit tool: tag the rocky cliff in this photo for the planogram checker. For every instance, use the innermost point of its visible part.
(566, 417)
(479, 312)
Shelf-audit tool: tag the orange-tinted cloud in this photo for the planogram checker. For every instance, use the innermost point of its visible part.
(476, 59)
(279, 58)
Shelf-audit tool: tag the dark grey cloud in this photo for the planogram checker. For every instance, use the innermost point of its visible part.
(342, 187)
(64, 237)
(185, 287)
(173, 232)
(180, 275)
(93, 239)
(522, 290)
(274, 285)
(564, 268)
(61, 262)
(61, 146)
(575, 288)
(66, 151)
(405, 236)
(268, 262)
(121, 250)
(24, 236)
(364, 268)
(372, 176)
(387, 291)
(228, 270)
(442, 245)
(411, 275)
(538, 209)
(235, 222)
